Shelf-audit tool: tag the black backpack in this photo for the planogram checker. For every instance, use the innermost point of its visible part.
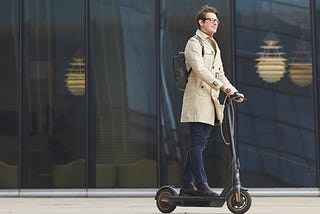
(179, 67)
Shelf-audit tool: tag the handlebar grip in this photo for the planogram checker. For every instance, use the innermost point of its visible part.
(237, 95)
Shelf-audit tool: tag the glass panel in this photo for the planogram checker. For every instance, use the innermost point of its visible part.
(122, 94)
(179, 26)
(9, 38)
(317, 57)
(274, 68)
(52, 94)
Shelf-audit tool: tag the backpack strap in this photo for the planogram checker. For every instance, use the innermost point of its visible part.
(201, 43)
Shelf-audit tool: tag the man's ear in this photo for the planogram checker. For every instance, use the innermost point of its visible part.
(201, 22)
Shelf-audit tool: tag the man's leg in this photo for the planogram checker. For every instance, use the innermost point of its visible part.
(187, 188)
(193, 166)
(199, 135)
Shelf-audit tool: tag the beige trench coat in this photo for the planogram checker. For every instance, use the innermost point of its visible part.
(200, 100)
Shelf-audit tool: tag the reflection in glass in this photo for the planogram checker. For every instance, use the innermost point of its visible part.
(276, 132)
(271, 65)
(300, 67)
(122, 94)
(75, 78)
(52, 118)
(9, 43)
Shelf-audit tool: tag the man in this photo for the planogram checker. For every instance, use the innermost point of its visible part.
(201, 108)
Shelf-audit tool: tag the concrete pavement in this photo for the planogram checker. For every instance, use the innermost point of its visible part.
(146, 205)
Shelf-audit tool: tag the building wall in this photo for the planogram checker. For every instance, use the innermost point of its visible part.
(88, 99)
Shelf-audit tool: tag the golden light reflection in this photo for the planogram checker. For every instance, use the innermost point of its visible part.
(271, 65)
(75, 78)
(300, 68)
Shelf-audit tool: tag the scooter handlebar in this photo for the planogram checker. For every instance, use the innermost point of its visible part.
(237, 95)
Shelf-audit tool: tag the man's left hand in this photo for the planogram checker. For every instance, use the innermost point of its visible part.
(241, 97)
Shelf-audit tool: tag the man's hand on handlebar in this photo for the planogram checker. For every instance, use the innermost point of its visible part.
(238, 97)
(232, 93)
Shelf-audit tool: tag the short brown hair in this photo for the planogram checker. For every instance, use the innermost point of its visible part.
(204, 10)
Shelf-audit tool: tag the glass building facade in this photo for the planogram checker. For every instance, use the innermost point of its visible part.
(88, 98)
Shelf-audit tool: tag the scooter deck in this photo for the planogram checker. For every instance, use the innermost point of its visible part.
(197, 201)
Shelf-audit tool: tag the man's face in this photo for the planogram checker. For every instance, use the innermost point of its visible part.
(210, 24)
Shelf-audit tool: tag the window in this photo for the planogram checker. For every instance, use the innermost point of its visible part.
(52, 114)
(9, 38)
(276, 126)
(179, 26)
(122, 94)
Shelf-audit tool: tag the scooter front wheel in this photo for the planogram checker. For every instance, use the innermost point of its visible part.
(239, 204)
(163, 199)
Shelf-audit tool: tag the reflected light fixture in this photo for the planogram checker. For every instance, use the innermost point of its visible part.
(75, 78)
(300, 67)
(271, 65)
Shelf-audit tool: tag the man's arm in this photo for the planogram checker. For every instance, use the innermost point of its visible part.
(193, 54)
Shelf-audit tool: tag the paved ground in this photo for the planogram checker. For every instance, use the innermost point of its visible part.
(146, 205)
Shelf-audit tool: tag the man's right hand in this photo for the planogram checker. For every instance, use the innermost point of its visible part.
(228, 91)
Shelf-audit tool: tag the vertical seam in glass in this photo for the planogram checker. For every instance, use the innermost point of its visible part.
(232, 20)
(86, 126)
(315, 87)
(233, 52)
(19, 91)
(157, 55)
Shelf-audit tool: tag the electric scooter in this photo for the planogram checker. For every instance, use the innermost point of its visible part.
(238, 198)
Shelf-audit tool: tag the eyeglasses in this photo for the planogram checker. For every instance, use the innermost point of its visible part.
(212, 20)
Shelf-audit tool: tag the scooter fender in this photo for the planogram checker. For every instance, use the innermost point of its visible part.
(232, 190)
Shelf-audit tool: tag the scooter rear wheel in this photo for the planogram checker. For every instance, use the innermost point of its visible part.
(163, 201)
(239, 207)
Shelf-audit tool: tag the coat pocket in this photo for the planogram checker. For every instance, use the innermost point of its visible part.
(204, 89)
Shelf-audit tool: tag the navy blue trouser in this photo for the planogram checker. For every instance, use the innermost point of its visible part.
(193, 169)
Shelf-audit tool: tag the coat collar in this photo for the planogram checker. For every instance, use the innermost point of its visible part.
(210, 39)
(202, 35)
